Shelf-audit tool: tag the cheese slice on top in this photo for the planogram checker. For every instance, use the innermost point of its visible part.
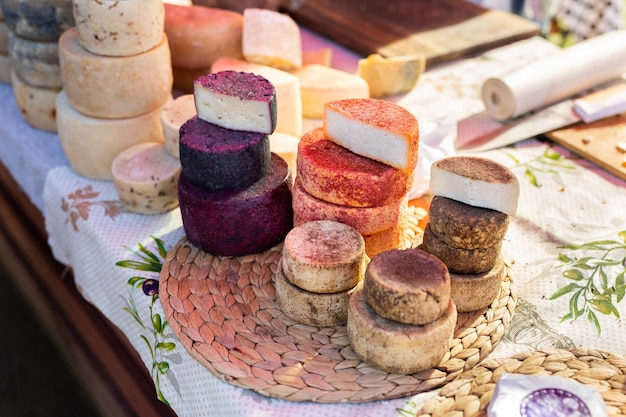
(376, 129)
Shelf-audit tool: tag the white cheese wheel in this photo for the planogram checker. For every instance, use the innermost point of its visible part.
(397, 347)
(175, 113)
(36, 62)
(324, 256)
(39, 20)
(36, 104)
(5, 69)
(4, 38)
(119, 28)
(286, 146)
(91, 144)
(146, 178)
(114, 87)
(271, 38)
(387, 76)
(320, 84)
(472, 292)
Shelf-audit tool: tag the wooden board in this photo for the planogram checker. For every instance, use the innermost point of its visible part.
(441, 29)
(597, 142)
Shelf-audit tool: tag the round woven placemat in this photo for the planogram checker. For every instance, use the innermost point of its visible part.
(470, 393)
(223, 310)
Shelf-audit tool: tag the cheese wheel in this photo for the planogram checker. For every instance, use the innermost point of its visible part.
(286, 146)
(146, 178)
(458, 260)
(392, 238)
(320, 84)
(463, 226)
(199, 35)
(388, 76)
(311, 308)
(216, 158)
(332, 173)
(271, 38)
(39, 20)
(36, 104)
(288, 99)
(184, 77)
(242, 221)
(394, 347)
(4, 38)
(407, 286)
(317, 56)
(366, 220)
(376, 129)
(476, 181)
(91, 144)
(36, 62)
(5, 69)
(473, 292)
(119, 28)
(174, 114)
(324, 256)
(114, 87)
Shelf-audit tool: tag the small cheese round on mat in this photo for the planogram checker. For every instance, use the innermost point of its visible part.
(397, 347)
(146, 178)
(476, 181)
(324, 256)
(42, 20)
(376, 129)
(36, 62)
(37, 104)
(472, 292)
(174, 114)
(407, 286)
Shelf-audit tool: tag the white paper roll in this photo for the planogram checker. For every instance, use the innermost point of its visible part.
(570, 71)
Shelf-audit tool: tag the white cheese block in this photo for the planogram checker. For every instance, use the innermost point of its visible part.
(175, 113)
(115, 87)
(4, 38)
(91, 144)
(36, 62)
(286, 146)
(40, 20)
(476, 181)
(271, 38)
(119, 28)
(36, 104)
(288, 98)
(5, 69)
(387, 76)
(320, 84)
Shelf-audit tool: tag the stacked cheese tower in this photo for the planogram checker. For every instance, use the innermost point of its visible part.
(474, 198)
(117, 76)
(234, 194)
(357, 169)
(34, 28)
(403, 318)
(5, 59)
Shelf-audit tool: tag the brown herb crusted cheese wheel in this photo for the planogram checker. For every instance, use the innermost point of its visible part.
(397, 347)
(332, 173)
(407, 286)
(324, 256)
(458, 260)
(463, 226)
(472, 292)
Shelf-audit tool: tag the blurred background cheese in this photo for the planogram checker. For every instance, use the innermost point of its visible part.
(38, 20)
(174, 114)
(37, 104)
(286, 146)
(35, 62)
(387, 76)
(5, 69)
(240, 5)
(4, 37)
(5, 60)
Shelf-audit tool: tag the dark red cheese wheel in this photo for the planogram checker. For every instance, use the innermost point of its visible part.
(216, 158)
(238, 222)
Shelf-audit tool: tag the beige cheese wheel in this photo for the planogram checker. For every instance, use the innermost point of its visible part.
(388, 76)
(313, 309)
(286, 146)
(397, 347)
(119, 28)
(393, 238)
(4, 38)
(324, 256)
(5, 69)
(91, 144)
(36, 104)
(175, 113)
(146, 178)
(473, 292)
(114, 87)
(36, 62)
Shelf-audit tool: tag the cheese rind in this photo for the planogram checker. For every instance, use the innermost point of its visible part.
(174, 114)
(40, 20)
(37, 104)
(473, 292)
(388, 76)
(36, 62)
(6, 68)
(4, 38)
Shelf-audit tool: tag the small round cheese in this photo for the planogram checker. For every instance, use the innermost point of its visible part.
(119, 28)
(36, 62)
(175, 113)
(36, 104)
(38, 20)
(472, 292)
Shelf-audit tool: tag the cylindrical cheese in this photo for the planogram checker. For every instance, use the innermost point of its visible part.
(36, 104)
(472, 292)
(36, 62)
(5, 69)
(114, 87)
(119, 28)
(175, 113)
(39, 20)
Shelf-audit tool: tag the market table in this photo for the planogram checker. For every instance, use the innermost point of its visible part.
(565, 249)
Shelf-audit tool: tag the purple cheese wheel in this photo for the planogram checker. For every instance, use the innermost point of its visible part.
(216, 158)
(238, 222)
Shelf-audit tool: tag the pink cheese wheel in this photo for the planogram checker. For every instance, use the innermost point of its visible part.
(238, 222)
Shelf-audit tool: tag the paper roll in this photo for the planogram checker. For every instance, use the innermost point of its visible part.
(562, 75)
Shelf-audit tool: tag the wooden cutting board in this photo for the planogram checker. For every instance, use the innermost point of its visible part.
(439, 29)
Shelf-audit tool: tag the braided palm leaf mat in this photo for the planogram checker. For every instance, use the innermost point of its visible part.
(470, 393)
(223, 310)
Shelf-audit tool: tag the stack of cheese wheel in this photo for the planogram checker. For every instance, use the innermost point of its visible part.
(403, 318)
(474, 198)
(322, 263)
(32, 30)
(115, 66)
(357, 169)
(234, 194)
(5, 59)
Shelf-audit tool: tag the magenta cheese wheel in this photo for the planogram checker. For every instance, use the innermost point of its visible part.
(242, 221)
(216, 158)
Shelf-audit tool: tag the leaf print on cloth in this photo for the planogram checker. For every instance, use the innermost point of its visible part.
(79, 203)
(595, 272)
(549, 162)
